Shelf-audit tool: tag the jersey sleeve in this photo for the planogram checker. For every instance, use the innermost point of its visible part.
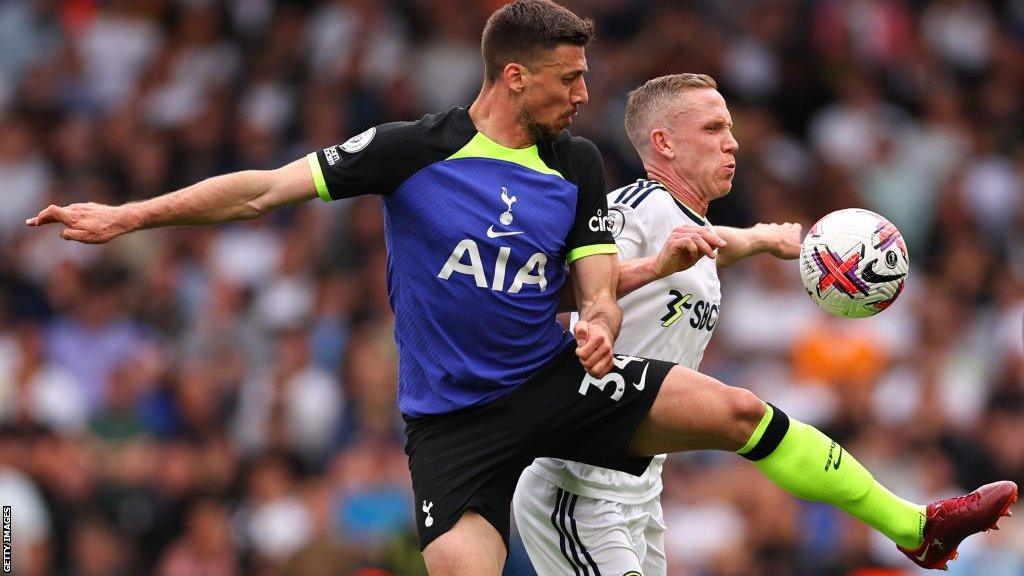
(591, 230)
(368, 163)
(631, 235)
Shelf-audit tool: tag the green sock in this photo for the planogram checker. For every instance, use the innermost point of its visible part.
(810, 465)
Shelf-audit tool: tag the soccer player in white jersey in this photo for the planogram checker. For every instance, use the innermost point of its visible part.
(582, 519)
(578, 517)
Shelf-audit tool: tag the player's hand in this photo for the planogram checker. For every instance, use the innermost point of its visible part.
(90, 223)
(781, 240)
(594, 347)
(685, 246)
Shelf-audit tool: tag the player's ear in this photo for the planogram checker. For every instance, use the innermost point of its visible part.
(514, 76)
(661, 144)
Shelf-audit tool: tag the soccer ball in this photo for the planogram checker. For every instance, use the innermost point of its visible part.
(853, 263)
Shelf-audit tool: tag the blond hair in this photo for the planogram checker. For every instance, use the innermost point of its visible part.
(655, 98)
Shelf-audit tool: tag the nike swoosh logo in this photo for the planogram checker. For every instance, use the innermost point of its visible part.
(869, 274)
(835, 465)
(643, 378)
(925, 553)
(492, 234)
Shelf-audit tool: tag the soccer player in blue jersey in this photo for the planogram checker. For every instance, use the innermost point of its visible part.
(485, 207)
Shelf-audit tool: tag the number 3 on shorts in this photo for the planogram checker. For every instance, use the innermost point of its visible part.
(620, 361)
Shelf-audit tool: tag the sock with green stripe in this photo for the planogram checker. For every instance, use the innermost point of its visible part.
(810, 465)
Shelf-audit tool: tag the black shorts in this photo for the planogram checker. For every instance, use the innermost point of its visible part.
(472, 458)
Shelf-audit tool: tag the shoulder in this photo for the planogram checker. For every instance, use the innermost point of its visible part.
(443, 129)
(653, 206)
(576, 144)
(575, 157)
(577, 148)
(631, 194)
(623, 219)
(645, 197)
(399, 149)
(380, 159)
(656, 200)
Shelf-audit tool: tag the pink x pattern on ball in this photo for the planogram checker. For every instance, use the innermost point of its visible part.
(842, 274)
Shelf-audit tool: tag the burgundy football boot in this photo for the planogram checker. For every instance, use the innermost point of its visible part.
(950, 521)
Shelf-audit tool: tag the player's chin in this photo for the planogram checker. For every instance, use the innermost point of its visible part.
(551, 131)
(545, 132)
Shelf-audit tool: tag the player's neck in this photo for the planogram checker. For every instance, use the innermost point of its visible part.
(679, 189)
(494, 116)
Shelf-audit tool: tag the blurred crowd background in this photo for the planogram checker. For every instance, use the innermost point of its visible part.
(221, 401)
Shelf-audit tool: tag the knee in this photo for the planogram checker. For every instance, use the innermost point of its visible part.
(747, 412)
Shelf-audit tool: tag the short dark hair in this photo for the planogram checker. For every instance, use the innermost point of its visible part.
(517, 31)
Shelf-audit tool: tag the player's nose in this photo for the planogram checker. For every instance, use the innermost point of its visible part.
(731, 145)
(580, 95)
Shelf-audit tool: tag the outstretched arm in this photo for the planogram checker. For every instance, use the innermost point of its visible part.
(779, 240)
(237, 196)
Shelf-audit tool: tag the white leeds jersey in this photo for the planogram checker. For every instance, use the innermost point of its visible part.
(669, 319)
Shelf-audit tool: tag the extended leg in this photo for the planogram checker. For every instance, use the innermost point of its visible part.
(695, 411)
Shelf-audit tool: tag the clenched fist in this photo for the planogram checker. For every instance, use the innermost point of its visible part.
(594, 347)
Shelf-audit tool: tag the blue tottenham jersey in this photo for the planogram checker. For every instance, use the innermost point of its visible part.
(478, 236)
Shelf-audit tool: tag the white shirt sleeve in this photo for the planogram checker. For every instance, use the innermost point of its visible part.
(630, 232)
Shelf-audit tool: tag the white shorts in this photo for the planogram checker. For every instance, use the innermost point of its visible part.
(566, 534)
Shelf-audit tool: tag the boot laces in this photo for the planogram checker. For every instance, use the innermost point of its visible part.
(954, 504)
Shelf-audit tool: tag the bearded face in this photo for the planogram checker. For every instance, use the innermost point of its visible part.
(553, 91)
